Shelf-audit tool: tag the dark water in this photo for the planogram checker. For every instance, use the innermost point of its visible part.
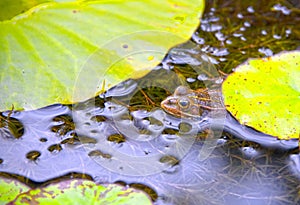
(123, 136)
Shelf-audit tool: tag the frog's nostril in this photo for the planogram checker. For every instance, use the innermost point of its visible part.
(172, 101)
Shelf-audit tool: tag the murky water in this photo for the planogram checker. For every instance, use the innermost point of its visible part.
(124, 136)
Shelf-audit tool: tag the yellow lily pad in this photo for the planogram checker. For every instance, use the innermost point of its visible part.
(45, 51)
(265, 94)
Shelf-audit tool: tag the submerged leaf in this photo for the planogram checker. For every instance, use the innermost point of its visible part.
(63, 51)
(265, 94)
(82, 192)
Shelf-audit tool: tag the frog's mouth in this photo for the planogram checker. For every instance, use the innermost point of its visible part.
(170, 105)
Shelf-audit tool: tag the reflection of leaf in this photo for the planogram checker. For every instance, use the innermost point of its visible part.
(265, 94)
(44, 50)
(9, 189)
(83, 192)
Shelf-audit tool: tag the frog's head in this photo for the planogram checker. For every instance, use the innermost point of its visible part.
(183, 103)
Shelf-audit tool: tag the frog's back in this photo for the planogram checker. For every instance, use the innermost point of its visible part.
(194, 104)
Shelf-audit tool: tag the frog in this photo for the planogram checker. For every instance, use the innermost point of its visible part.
(193, 104)
(196, 105)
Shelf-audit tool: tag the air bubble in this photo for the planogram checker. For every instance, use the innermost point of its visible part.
(219, 81)
(220, 36)
(198, 39)
(237, 34)
(288, 32)
(202, 77)
(283, 9)
(276, 36)
(266, 51)
(228, 42)
(250, 9)
(247, 24)
(190, 80)
(240, 16)
(264, 32)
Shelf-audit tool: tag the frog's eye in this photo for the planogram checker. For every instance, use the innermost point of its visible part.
(184, 103)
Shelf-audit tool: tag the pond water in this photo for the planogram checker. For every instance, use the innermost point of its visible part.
(124, 136)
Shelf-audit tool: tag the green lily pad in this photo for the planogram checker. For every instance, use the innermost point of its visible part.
(82, 192)
(10, 188)
(265, 94)
(64, 51)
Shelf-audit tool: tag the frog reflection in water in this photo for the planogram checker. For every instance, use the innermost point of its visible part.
(192, 104)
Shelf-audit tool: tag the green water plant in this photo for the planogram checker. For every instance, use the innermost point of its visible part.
(61, 51)
(75, 191)
(264, 93)
(10, 188)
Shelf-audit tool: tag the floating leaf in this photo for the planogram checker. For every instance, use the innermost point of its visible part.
(10, 188)
(62, 51)
(82, 192)
(265, 94)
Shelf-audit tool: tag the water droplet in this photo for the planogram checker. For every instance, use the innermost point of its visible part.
(249, 151)
(250, 9)
(237, 34)
(190, 80)
(211, 27)
(209, 59)
(213, 18)
(221, 141)
(198, 39)
(146, 122)
(220, 36)
(229, 42)
(202, 77)
(220, 52)
(288, 32)
(276, 36)
(240, 16)
(219, 81)
(266, 51)
(283, 9)
(264, 32)
(247, 24)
